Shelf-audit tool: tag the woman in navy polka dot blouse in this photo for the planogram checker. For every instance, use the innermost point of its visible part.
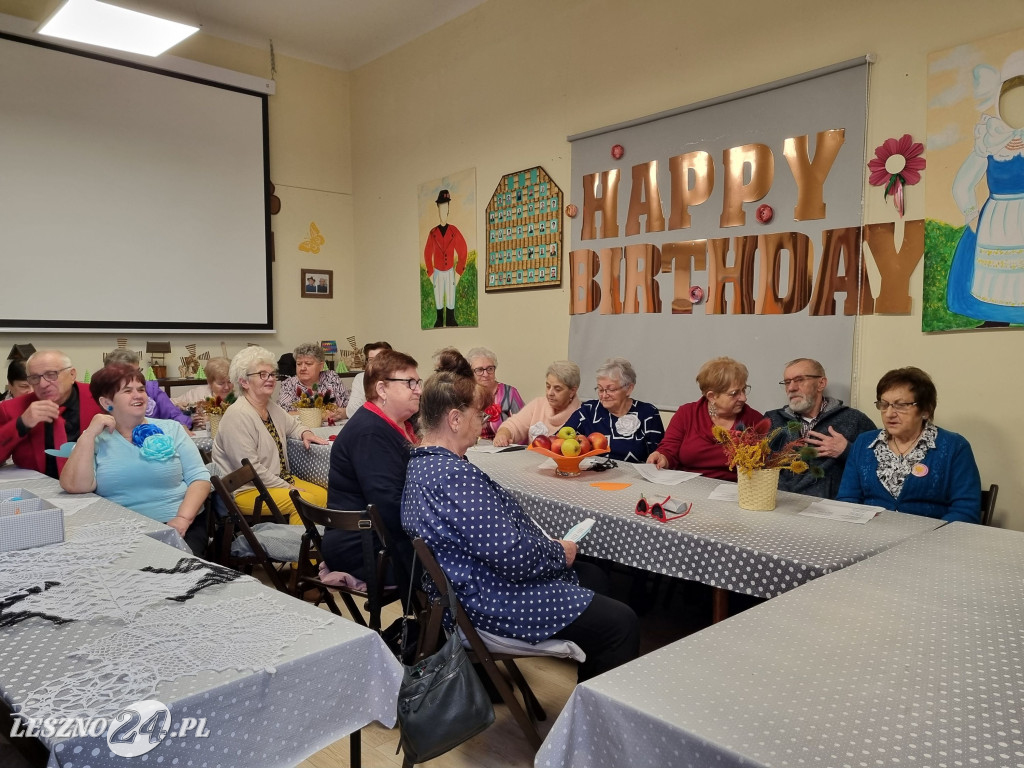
(512, 580)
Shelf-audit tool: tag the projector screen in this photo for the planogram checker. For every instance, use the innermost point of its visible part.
(130, 199)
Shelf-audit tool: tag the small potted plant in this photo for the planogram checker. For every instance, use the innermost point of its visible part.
(757, 465)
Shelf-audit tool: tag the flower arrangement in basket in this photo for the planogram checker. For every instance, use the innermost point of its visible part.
(212, 408)
(313, 398)
(750, 450)
(217, 405)
(311, 404)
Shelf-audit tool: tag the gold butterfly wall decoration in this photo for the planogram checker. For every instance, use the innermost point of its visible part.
(312, 245)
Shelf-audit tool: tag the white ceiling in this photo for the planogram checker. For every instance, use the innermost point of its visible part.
(343, 34)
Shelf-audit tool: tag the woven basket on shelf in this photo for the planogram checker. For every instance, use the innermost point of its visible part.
(311, 417)
(757, 489)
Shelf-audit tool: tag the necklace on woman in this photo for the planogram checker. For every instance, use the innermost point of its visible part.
(902, 453)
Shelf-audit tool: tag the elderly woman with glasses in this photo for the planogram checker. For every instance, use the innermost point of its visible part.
(255, 427)
(689, 444)
(502, 399)
(911, 465)
(368, 461)
(633, 428)
(310, 372)
(512, 579)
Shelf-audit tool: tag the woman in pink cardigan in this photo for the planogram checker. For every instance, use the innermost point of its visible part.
(552, 410)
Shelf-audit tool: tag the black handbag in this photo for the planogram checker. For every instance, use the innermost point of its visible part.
(441, 702)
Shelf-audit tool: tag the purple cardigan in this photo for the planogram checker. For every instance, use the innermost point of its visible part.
(161, 407)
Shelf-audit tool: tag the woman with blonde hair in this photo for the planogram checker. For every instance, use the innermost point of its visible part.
(546, 413)
(689, 444)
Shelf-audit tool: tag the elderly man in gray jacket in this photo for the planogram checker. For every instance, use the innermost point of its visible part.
(827, 424)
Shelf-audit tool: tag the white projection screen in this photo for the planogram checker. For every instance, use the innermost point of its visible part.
(130, 199)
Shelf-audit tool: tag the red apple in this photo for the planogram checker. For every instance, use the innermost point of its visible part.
(570, 447)
(598, 440)
(556, 444)
(542, 441)
(585, 446)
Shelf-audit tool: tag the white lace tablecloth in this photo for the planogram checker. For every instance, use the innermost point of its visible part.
(914, 657)
(757, 553)
(276, 679)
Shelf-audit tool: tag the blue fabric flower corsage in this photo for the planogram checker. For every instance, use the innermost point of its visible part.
(153, 444)
(141, 432)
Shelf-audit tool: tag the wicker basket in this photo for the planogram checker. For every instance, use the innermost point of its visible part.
(213, 421)
(757, 489)
(310, 417)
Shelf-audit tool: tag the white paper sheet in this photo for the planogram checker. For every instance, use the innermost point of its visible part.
(488, 448)
(663, 476)
(842, 511)
(725, 492)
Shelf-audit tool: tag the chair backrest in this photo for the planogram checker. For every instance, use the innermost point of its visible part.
(449, 599)
(246, 475)
(235, 520)
(988, 504)
(366, 522)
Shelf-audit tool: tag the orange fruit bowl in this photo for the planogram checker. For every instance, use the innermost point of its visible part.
(567, 466)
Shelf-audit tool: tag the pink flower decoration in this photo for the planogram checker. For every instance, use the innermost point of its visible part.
(910, 174)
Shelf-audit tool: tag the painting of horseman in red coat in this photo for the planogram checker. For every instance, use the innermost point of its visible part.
(448, 269)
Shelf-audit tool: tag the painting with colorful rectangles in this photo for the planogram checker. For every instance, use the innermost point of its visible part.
(524, 232)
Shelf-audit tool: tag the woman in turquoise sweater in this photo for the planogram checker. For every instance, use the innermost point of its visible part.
(150, 466)
(912, 465)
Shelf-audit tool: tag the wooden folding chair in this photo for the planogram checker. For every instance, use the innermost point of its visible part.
(236, 523)
(526, 714)
(366, 522)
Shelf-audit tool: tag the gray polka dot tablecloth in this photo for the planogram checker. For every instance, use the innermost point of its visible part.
(324, 683)
(914, 657)
(717, 543)
(311, 465)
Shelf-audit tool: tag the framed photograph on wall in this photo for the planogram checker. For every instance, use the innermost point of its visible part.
(317, 284)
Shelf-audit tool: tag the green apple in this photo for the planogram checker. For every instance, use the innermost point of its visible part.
(567, 432)
(570, 446)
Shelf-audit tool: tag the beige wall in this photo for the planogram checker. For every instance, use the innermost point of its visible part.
(432, 107)
(310, 164)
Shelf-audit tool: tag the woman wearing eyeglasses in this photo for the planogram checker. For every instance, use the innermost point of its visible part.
(505, 397)
(512, 579)
(257, 428)
(911, 465)
(633, 428)
(689, 444)
(368, 462)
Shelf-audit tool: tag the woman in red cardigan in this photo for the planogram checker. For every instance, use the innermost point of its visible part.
(688, 443)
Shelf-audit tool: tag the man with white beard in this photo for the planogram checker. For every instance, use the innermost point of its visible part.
(826, 424)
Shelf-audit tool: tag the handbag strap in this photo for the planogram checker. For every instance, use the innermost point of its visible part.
(403, 644)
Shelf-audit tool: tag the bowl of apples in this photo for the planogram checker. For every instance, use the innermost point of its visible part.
(568, 449)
